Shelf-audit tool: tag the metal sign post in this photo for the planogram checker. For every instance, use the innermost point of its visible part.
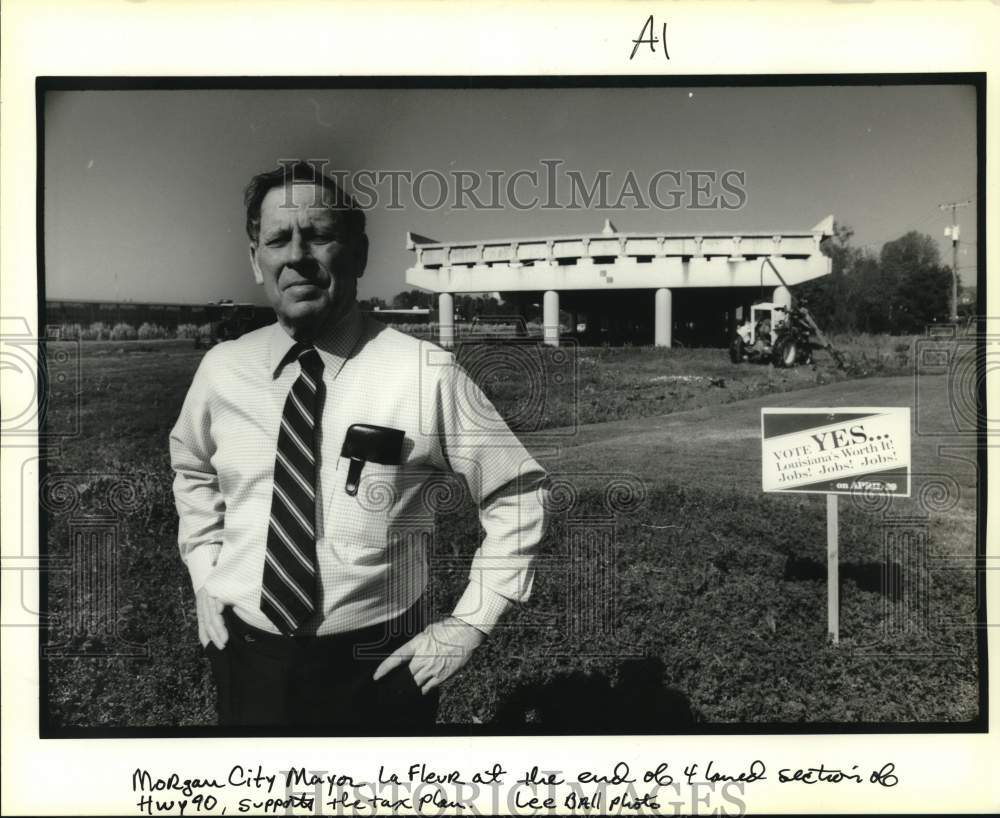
(832, 569)
(864, 450)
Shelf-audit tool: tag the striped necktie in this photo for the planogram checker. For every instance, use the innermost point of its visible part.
(289, 589)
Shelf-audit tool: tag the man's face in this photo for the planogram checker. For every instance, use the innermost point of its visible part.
(305, 259)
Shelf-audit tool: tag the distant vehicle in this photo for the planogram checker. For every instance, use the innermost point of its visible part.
(229, 320)
(783, 336)
(762, 339)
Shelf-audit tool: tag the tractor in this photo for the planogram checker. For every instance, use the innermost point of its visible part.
(772, 334)
(783, 336)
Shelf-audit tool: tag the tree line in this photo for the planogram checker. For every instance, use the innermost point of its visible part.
(898, 291)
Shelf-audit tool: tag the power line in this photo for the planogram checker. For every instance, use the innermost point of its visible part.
(916, 227)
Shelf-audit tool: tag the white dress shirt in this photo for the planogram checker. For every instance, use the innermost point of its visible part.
(371, 548)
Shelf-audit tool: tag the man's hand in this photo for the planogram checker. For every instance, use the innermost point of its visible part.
(211, 627)
(436, 653)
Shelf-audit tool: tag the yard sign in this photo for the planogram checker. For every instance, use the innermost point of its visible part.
(862, 450)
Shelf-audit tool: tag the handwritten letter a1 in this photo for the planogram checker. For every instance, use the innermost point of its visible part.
(651, 40)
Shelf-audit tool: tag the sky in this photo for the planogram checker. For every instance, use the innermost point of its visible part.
(143, 193)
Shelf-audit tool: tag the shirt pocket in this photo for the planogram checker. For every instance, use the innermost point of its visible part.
(380, 489)
(363, 520)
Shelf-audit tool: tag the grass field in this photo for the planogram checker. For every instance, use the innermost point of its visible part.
(704, 603)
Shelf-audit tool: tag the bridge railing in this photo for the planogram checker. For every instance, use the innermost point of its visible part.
(608, 248)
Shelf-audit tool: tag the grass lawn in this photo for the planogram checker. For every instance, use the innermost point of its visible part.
(694, 600)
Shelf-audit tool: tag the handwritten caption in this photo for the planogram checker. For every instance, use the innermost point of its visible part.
(420, 789)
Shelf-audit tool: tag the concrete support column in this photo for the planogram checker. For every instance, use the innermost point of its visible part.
(782, 298)
(446, 320)
(663, 318)
(550, 318)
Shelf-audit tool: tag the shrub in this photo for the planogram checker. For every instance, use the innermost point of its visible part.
(70, 332)
(206, 331)
(149, 331)
(100, 331)
(123, 332)
(187, 331)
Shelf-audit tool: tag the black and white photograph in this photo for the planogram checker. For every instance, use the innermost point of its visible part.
(386, 426)
(399, 412)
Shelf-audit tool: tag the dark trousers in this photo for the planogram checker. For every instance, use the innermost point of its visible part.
(265, 680)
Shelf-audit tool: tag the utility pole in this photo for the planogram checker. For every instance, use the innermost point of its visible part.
(953, 230)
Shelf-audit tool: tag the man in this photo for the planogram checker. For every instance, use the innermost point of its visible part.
(303, 456)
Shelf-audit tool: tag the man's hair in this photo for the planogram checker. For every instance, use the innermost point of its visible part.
(301, 171)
